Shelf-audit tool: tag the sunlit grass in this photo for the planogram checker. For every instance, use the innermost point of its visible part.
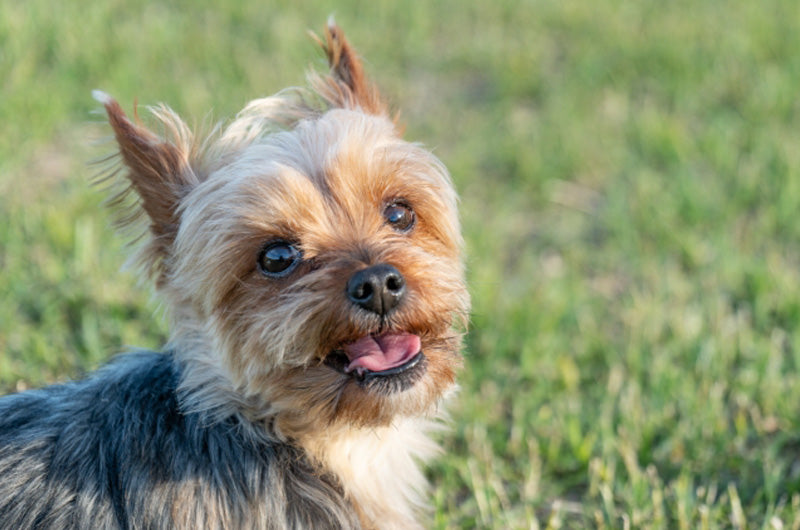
(630, 182)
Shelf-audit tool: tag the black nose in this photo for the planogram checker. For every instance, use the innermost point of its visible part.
(378, 288)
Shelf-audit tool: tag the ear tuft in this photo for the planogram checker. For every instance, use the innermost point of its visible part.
(158, 172)
(347, 86)
(102, 97)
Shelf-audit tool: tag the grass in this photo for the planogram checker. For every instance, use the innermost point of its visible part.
(630, 183)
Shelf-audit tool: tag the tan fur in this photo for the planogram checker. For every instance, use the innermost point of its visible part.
(347, 86)
(317, 173)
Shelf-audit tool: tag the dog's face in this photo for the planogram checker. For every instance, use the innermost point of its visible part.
(321, 261)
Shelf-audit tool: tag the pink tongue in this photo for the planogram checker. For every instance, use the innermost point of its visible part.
(381, 353)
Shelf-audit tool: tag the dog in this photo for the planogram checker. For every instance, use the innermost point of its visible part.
(311, 264)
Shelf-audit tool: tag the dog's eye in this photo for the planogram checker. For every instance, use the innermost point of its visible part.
(278, 258)
(399, 216)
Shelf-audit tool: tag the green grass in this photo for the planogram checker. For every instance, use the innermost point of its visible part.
(630, 181)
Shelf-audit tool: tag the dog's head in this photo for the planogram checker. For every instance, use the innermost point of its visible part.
(309, 256)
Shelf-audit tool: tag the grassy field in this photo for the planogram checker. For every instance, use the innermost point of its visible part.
(630, 181)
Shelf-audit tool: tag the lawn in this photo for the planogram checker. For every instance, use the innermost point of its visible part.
(630, 182)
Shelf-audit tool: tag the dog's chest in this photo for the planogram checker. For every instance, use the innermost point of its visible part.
(379, 471)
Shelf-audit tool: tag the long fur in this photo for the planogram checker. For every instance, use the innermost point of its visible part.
(242, 422)
(117, 451)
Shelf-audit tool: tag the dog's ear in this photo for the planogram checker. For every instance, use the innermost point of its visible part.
(346, 86)
(158, 171)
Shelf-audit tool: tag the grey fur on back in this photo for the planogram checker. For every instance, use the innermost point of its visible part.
(116, 451)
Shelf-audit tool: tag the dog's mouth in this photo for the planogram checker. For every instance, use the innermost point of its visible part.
(388, 362)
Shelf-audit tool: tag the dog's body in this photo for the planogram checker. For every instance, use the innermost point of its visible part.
(310, 260)
(116, 450)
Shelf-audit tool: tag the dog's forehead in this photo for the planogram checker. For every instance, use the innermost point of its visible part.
(332, 172)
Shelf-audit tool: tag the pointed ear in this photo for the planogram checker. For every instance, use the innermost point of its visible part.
(158, 172)
(347, 86)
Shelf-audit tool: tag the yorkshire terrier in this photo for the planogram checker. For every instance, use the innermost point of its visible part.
(310, 261)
